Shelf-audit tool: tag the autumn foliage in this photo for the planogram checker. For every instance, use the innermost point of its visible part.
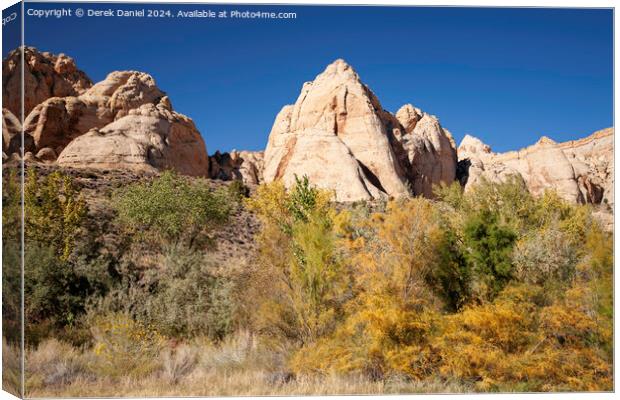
(512, 293)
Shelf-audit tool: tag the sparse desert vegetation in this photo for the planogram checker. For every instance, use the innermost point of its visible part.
(490, 289)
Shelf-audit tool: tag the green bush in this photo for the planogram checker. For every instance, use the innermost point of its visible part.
(488, 249)
(189, 298)
(54, 212)
(172, 209)
(56, 291)
(185, 296)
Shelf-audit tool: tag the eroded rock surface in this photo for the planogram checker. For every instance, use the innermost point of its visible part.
(338, 134)
(246, 166)
(430, 150)
(58, 120)
(580, 171)
(149, 138)
(46, 75)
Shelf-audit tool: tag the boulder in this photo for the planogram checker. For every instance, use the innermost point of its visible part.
(149, 138)
(57, 121)
(246, 166)
(46, 155)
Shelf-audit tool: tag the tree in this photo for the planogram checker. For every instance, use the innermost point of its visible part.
(54, 211)
(298, 282)
(488, 249)
(171, 209)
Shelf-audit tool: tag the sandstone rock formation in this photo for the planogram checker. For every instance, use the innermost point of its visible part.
(149, 138)
(45, 75)
(580, 171)
(246, 166)
(430, 150)
(57, 121)
(593, 162)
(338, 135)
(11, 134)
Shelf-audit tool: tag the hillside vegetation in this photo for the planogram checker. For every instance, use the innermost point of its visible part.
(488, 290)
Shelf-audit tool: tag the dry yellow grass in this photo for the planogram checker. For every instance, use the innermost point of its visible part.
(239, 383)
(237, 367)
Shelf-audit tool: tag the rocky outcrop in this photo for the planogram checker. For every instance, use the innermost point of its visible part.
(430, 149)
(45, 75)
(149, 138)
(57, 121)
(246, 166)
(580, 171)
(11, 134)
(122, 122)
(338, 135)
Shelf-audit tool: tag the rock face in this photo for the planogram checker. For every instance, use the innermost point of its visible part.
(57, 121)
(592, 159)
(338, 135)
(580, 171)
(11, 134)
(122, 122)
(430, 150)
(149, 138)
(246, 166)
(45, 75)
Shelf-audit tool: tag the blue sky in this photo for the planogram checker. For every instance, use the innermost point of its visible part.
(504, 75)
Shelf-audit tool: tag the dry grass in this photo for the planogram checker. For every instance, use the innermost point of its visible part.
(11, 376)
(237, 367)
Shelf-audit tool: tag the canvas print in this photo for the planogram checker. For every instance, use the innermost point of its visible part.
(232, 199)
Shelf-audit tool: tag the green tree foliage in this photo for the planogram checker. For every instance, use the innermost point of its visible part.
(298, 282)
(488, 249)
(172, 209)
(54, 211)
(58, 280)
(188, 298)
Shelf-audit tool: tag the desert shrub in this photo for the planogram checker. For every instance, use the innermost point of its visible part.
(571, 219)
(188, 298)
(54, 212)
(395, 311)
(546, 256)
(53, 363)
(11, 206)
(477, 344)
(57, 291)
(238, 191)
(61, 271)
(11, 367)
(186, 295)
(510, 201)
(172, 209)
(11, 291)
(451, 278)
(11, 255)
(598, 265)
(298, 280)
(488, 248)
(124, 346)
(521, 342)
(178, 363)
